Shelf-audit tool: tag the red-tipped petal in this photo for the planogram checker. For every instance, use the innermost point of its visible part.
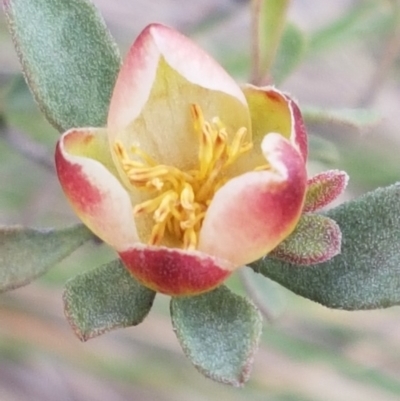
(324, 188)
(273, 111)
(174, 271)
(83, 164)
(251, 214)
(138, 73)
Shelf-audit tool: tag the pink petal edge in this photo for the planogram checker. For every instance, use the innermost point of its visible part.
(299, 132)
(251, 214)
(267, 100)
(139, 69)
(96, 195)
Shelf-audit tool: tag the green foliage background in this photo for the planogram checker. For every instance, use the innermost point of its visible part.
(339, 56)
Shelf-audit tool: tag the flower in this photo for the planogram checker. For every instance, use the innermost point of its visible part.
(193, 177)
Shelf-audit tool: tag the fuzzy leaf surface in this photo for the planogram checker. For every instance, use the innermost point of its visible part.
(366, 275)
(219, 332)
(70, 60)
(105, 299)
(324, 188)
(26, 253)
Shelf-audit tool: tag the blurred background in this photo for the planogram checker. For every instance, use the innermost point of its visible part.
(349, 58)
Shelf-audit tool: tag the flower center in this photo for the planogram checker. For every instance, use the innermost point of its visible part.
(181, 198)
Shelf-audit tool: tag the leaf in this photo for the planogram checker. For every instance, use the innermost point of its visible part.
(370, 163)
(291, 51)
(26, 253)
(365, 18)
(323, 150)
(324, 188)
(353, 118)
(105, 299)
(366, 275)
(219, 332)
(316, 239)
(69, 58)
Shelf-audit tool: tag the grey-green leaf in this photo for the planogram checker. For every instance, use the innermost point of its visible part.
(69, 58)
(290, 54)
(323, 150)
(364, 18)
(26, 253)
(353, 118)
(219, 332)
(105, 299)
(366, 275)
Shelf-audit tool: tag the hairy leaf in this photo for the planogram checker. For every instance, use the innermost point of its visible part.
(26, 253)
(219, 332)
(105, 299)
(366, 275)
(69, 59)
(315, 240)
(324, 188)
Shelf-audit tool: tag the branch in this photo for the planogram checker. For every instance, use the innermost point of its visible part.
(27, 147)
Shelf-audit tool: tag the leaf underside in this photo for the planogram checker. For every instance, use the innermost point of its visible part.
(26, 253)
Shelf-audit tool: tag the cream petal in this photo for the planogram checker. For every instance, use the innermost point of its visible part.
(86, 174)
(273, 111)
(163, 75)
(138, 72)
(252, 213)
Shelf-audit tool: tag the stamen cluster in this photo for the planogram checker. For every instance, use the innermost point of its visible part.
(181, 198)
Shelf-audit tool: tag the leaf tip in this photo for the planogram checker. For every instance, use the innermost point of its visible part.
(316, 239)
(324, 188)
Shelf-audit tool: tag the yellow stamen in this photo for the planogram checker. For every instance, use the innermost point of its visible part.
(183, 197)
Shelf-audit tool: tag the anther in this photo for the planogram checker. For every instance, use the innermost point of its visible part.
(182, 197)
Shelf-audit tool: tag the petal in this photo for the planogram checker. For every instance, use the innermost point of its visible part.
(163, 75)
(174, 271)
(324, 188)
(251, 214)
(274, 111)
(86, 174)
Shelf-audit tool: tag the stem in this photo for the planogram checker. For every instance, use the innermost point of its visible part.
(268, 22)
(252, 292)
(25, 146)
